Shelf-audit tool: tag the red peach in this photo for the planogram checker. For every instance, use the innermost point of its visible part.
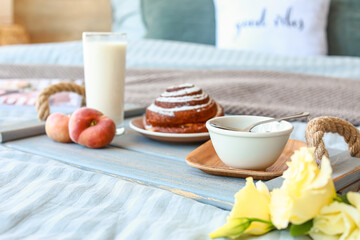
(89, 127)
(57, 127)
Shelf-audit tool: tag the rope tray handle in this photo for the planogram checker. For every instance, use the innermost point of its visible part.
(317, 127)
(42, 102)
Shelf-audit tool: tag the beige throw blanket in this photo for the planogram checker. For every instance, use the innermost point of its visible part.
(239, 92)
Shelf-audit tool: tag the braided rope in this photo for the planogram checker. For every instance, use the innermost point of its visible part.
(317, 127)
(42, 102)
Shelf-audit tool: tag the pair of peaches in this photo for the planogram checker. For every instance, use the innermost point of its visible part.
(86, 126)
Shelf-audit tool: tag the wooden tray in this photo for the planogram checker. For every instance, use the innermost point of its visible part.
(206, 159)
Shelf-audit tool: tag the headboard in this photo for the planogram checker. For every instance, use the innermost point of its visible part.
(62, 20)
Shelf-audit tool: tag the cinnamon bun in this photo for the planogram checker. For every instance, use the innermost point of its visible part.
(181, 109)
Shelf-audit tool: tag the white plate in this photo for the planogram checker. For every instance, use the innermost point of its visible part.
(137, 125)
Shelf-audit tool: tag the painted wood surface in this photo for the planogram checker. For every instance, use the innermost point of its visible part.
(13, 34)
(62, 20)
(135, 158)
(6, 12)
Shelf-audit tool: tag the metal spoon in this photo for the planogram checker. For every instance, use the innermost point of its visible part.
(248, 129)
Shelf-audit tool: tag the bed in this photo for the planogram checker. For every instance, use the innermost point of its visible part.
(47, 199)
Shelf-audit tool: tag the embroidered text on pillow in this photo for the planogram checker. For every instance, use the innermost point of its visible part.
(289, 21)
(279, 21)
(252, 23)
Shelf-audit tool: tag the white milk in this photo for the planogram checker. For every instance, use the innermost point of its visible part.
(104, 63)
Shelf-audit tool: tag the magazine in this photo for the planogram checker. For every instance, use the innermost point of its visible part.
(25, 92)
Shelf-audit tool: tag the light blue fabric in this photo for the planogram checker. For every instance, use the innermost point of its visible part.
(167, 54)
(67, 53)
(45, 199)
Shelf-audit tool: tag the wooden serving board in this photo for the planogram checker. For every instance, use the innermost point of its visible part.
(206, 159)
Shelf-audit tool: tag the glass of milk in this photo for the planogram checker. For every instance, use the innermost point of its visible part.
(104, 69)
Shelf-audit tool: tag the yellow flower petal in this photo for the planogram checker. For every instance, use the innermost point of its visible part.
(250, 202)
(314, 196)
(337, 221)
(280, 208)
(354, 199)
(305, 190)
(232, 229)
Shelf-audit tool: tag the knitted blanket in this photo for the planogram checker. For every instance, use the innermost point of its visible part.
(263, 93)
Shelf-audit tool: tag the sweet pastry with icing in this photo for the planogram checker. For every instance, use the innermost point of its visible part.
(181, 109)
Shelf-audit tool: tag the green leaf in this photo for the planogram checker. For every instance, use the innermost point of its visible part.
(301, 229)
(269, 223)
(232, 229)
(237, 226)
(342, 198)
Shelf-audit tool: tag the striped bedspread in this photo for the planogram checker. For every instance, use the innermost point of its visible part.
(148, 53)
(44, 199)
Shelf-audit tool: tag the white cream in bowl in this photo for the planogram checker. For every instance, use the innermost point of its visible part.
(255, 150)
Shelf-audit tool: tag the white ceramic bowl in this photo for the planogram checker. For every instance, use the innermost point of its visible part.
(255, 150)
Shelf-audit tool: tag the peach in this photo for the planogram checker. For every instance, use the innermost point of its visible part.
(90, 128)
(57, 127)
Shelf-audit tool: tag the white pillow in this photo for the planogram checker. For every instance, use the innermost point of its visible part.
(288, 27)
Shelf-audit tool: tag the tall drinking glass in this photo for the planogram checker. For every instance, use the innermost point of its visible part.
(104, 68)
